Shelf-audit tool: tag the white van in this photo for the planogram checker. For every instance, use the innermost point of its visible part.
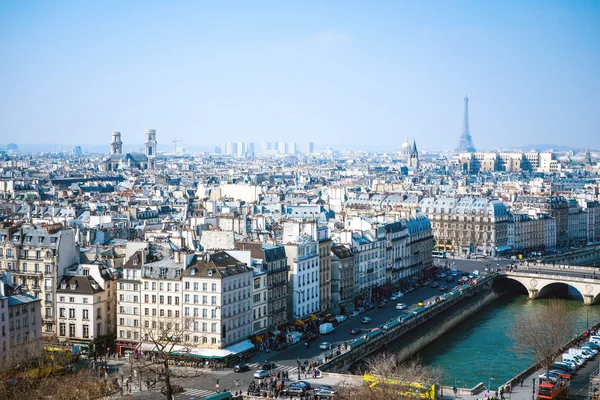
(566, 357)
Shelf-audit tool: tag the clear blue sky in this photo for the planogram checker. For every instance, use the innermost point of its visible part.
(332, 72)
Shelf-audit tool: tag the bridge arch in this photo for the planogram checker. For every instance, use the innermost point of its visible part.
(560, 288)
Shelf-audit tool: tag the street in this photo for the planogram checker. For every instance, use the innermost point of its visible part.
(286, 360)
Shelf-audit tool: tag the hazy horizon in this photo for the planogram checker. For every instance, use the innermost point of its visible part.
(346, 72)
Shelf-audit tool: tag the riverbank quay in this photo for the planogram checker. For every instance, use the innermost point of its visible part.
(420, 326)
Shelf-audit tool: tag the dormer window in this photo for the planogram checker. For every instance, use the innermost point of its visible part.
(63, 285)
(95, 286)
(29, 238)
(16, 238)
(53, 240)
(73, 286)
(41, 239)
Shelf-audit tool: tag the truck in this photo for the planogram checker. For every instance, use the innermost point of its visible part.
(326, 328)
(553, 390)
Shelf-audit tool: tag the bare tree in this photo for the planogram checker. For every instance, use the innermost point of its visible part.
(170, 340)
(544, 332)
(386, 377)
(35, 373)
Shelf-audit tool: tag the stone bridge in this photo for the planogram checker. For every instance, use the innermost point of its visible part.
(539, 278)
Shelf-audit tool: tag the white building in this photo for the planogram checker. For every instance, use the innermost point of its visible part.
(217, 292)
(303, 277)
(86, 307)
(20, 321)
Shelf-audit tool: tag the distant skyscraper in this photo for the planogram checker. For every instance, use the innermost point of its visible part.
(217, 150)
(311, 147)
(77, 150)
(465, 143)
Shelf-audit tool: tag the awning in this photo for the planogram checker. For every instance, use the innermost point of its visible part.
(503, 248)
(313, 317)
(187, 351)
(276, 332)
(298, 322)
(240, 347)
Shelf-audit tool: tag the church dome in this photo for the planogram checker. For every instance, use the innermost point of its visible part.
(405, 145)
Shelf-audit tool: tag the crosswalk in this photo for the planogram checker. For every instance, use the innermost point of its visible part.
(196, 393)
(278, 368)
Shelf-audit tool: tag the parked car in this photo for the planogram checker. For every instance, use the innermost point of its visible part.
(381, 305)
(325, 394)
(261, 373)
(394, 297)
(174, 389)
(355, 331)
(241, 367)
(302, 384)
(340, 318)
(435, 285)
(294, 391)
(400, 306)
(399, 294)
(281, 346)
(368, 307)
(325, 346)
(443, 288)
(354, 314)
(366, 320)
(325, 387)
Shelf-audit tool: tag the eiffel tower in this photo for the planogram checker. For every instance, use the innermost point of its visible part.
(465, 144)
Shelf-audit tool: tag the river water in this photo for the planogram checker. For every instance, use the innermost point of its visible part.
(480, 350)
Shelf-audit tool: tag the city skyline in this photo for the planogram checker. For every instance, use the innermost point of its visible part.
(354, 75)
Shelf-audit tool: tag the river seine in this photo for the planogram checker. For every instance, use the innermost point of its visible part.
(480, 350)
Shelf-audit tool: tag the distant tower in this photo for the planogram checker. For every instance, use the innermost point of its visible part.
(116, 146)
(465, 143)
(588, 156)
(414, 156)
(150, 143)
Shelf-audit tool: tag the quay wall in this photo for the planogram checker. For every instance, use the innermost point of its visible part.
(446, 324)
(418, 330)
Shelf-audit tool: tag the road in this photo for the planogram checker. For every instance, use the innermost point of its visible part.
(286, 360)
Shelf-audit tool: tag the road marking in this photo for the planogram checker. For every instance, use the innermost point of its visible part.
(198, 392)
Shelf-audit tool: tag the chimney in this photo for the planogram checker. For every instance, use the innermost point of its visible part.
(177, 256)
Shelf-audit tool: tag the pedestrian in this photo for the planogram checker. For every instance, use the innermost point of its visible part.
(521, 381)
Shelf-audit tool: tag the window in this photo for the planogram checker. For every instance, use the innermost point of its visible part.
(71, 299)
(213, 300)
(61, 313)
(214, 287)
(187, 286)
(86, 331)
(213, 340)
(177, 301)
(204, 287)
(204, 299)
(214, 314)
(71, 330)
(62, 328)
(213, 327)
(71, 313)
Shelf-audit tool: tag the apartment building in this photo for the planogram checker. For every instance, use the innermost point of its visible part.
(129, 294)
(468, 226)
(342, 276)
(303, 277)
(161, 296)
(419, 246)
(20, 321)
(555, 206)
(324, 267)
(218, 290)
(86, 308)
(273, 260)
(37, 256)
